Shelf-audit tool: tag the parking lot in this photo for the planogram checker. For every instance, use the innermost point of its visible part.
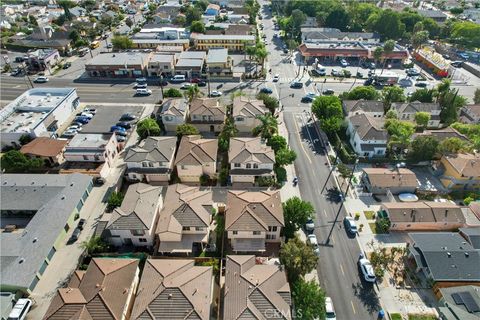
(108, 116)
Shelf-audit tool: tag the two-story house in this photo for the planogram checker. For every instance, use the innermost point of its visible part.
(461, 171)
(250, 158)
(245, 114)
(207, 115)
(367, 135)
(134, 222)
(161, 65)
(151, 160)
(173, 113)
(253, 219)
(371, 107)
(184, 221)
(219, 64)
(196, 157)
(470, 114)
(406, 111)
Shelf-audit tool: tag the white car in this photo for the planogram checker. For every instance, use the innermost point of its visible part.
(215, 93)
(310, 225)
(90, 110)
(367, 269)
(40, 79)
(350, 225)
(276, 78)
(70, 133)
(20, 310)
(140, 85)
(344, 63)
(329, 309)
(312, 240)
(86, 114)
(143, 92)
(74, 127)
(405, 82)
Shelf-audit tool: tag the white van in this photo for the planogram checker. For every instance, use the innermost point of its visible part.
(143, 92)
(20, 310)
(179, 78)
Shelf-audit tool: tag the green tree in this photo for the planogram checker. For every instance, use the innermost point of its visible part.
(192, 14)
(106, 20)
(179, 20)
(383, 225)
(277, 143)
(388, 48)
(399, 133)
(186, 130)
(377, 54)
(309, 299)
(345, 172)
(129, 22)
(296, 213)
(422, 95)
(476, 97)
(298, 258)
(74, 35)
(338, 18)
(362, 92)
(422, 118)
(453, 145)
(114, 200)
(32, 20)
(423, 148)
(291, 45)
(392, 94)
(465, 33)
(285, 157)
(387, 23)
(121, 42)
(391, 114)
(229, 130)
(281, 174)
(14, 161)
(297, 18)
(192, 93)
(148, 127)
(419, 38)
(94, 245)
(328, 109)
(24, 139)
(66, 5)
(268, 126)
(198, 27)
(261, 54)
(270, 102)
(172, 93)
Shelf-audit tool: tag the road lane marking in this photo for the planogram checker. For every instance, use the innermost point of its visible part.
(353, 307)
(333, 240)
(325, 212)
(341, 268)
(300, 141)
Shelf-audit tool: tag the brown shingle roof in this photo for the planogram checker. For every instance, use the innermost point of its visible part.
(385, 178)
(414, 107)
(101, 294)
(369, 128)
(466, 164)
(442, 134)
(423, 211)
(250, 150)
(207, 106)
(363, 105)
(44, 147)
(248, 107)
(183, 206)
(253, 211)
(253, 290)
(194, 150)
(173, 289)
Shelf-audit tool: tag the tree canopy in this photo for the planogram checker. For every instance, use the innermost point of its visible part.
(328, 109)
(362, 92)
(309, 299)
(121, 42)
(148, 127)
(285, 157)
(197, 26)
(14, 161)
(392, 94)
(277, 142)
(296, 213)
(186, 130)
(423, 148)
(422, 118)
(268, 126)
(172, 93)
(298, 258)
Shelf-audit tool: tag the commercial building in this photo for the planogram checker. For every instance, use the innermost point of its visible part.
(234, 43)
(152, 36)
(321, 34)
(37, 112)
(118, 65)
(219, 64)
(161, 65)
(42, 59)
(37, 212)
(190, 63)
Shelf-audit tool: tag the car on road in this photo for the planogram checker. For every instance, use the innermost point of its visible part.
(296, 85)
(215, 93)
(309, 97)
(143, 92)
(202, 84)
(368, 82)
(328, 92)
(312, 241)
(276, 78)
(371, 66)
(109, 46)
(412, 72)
(195, 80)
(405, 82)
(185, 86)
(16, 72)
(117, 128)
(124, 124)
(127, 117)
(367, 269)
(75, 235)
(20, 310)
(421, 84)
(329, 309)
(335, 73)
(457, 64)
(67, 65)
(41, 79)
(359, 75)
(81, 223)
(344, 63)
(310, 225)
(350, 225)
(266, 90)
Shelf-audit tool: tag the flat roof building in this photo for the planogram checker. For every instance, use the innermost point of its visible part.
(37, 112)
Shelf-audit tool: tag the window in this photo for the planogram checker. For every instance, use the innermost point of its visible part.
(249, 166)
(150, 164)
(85, 158)
(137, 232)
(79, 206)
(97, 157)
(256, 233)
(51, 253)
(271, 236)
(272, 229)
(366, 154)
(199, 229)
(186, 228)
(235, 232)
(142, 240)
(237, 165)
(33, 284)
(43, 267)
(144, 164)
(239, 119)
(255, 166)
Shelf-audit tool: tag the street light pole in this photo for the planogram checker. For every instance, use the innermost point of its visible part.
(330, 173)
(341, 204)
(26, 73)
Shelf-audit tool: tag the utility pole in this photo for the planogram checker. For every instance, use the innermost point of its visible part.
(341, 204)
(161, 84)
(26, 74)
(334, 164)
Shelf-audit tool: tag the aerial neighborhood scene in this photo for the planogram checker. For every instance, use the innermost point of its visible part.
(240, 159)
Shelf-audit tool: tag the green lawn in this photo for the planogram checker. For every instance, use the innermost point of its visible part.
(395, 316)
(370, 215)
(373, 226)
(421, 317)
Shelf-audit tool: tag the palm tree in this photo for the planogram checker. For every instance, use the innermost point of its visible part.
(251, 52)
(388, 48)
(192, 92)
(268, 126)
(261, 54)
(377, 54)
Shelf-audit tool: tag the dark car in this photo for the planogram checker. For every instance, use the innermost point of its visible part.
(306, 99)
(285, 50)
(328, 92)
(81, 224)
(368, 82)
(19, 59)
(421, 84)
(16, 72)
(98, 181)
(163, 83)
(75, 235)
(67, 65)
(82, 119)
(266, 90)
(211, 247)
(201, 83)
(117, 128)
(296, 85)
(125, 125)
(195, 80)
(127, 117)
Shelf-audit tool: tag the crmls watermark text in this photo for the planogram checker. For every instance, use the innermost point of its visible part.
(282, 314)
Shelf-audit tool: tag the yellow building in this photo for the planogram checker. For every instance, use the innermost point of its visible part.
(462, 172)
(231, 42)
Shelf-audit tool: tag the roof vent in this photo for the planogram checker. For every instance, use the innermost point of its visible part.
(194, 291)
(449, 254)
(21, 260)
(97, 285)
(63, 197)
(170, 296)
(35, 240)
(125, 290)
(467, 254)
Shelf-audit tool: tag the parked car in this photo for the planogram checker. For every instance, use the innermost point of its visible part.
(67, 65)
(312, 241)
(350, 225)
(368, 82)
(195, 80)
(74, 127)
(329, 309)
(335, 73)
(215, 93)
(344, 63)
(405, 82)
(120, 138)
(81, 223)
(20, 310)
(412, 72)
(86, 114)
(41, 79)
(296, 85)
(82, 120)
(20, 59)
(457, 64)
(90, 110)
(185, 86)
(276, 78)
(310, 225)
(124, 124)
(367, 269)
(75, 235)
(16, 72)
(421, 84)
(98, 181)
(120, 133)
(127, 117)
(371, 66)
(266, 90)
(117, 128)
(143, 92)
(70, 133)
(202, 84)
(109, 46)
(285, 50)
(140, 85)
(328, 92)
(359, 75)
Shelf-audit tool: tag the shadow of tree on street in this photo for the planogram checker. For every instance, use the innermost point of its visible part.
(367, 296)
